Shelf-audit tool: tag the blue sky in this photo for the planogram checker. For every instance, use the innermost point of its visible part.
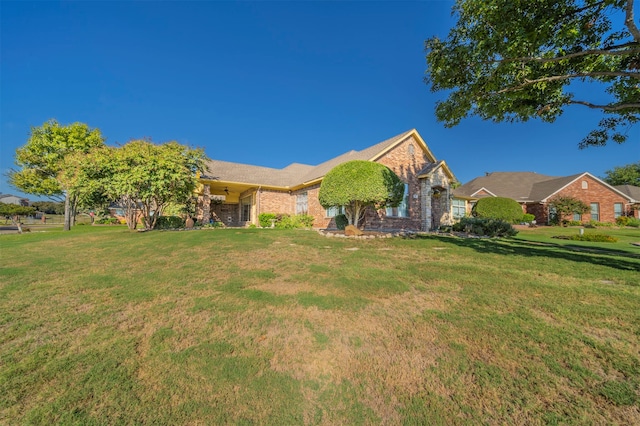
(266, 83)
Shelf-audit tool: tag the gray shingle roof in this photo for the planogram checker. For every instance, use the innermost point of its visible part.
(522, 186)
(515, 185)
(630, 190)
(295, 173)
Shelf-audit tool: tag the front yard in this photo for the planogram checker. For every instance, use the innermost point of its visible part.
(251, 326)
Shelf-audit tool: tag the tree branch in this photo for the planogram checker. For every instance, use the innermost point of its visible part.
(630, 23)
(608, 52)
(570, 76)
(606, 107)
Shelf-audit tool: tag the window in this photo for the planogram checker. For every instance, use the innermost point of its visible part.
(595, 212)
(617, 210)
(245, 209)
(335, 211)
(459, 208)
(585, 184)
(403, 208)
(302, 204)
(577, 217)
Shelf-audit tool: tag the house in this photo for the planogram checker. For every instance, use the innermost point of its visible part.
(634, 193)
(237, 194)
(12, 199)
(534, 191)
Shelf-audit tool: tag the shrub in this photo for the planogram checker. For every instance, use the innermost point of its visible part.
(169, 222)
(594, 238)
(485, 227)
(528, 218)
(596, 224)
(622, 220)
(265, 219)
(108, 221)
(341, 221)
(571, 223)
(633, 222)
(286, 221)
(500, 208)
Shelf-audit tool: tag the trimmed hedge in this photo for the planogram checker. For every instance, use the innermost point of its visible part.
(500, 208)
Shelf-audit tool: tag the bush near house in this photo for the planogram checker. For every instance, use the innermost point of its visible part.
(485, 227)
(500, 208)
(341, 221)
(169, 222)
(285, 221)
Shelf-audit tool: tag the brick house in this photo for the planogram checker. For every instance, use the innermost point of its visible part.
(236, 194)
(534, 191)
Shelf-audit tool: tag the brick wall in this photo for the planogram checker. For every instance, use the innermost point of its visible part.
(594, 192)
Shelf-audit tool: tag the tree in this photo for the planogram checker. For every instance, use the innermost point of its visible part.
(48, 207)
(359, 184)
(14, 212)
(513, 60)
(624, 175)
(146, 177)
(565, 206)
(42, 160)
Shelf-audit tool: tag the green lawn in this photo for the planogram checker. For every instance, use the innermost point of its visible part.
(105, 326)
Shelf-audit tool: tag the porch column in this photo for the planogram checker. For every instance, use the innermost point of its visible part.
(206, 204)
(425, 197)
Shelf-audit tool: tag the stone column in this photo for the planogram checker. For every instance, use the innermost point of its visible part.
(206, 204)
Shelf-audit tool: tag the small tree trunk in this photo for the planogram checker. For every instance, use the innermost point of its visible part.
(67, 212)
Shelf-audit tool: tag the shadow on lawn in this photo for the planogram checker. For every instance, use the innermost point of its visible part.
(605, 257)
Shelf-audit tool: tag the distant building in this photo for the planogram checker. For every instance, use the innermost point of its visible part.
(12, 199)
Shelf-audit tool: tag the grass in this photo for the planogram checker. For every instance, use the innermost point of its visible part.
(103, 326)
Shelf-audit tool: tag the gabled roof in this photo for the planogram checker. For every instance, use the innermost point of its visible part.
(302, 174)
(523, 186)
(432, 167)
(515, 185)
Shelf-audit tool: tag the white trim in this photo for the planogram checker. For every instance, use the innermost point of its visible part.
(486, 190)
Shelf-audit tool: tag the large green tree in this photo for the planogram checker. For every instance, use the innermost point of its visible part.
(359, 184)
(624, 175)
(146, 177)
(42, 160)
(513, 60)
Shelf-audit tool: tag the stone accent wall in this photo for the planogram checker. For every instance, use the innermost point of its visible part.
(205, 202)
(436, 208)
(228, 214)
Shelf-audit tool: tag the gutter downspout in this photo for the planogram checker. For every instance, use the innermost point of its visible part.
(258, 205)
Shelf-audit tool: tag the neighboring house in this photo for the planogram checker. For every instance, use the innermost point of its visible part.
(237, 194)
(634, 193)
(12, 199)
(534, 191)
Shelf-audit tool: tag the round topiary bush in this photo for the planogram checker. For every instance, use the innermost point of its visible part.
(498, 208)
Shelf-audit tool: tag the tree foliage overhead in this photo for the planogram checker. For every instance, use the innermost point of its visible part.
(624, 175)
(513, 60)
(358, 184)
